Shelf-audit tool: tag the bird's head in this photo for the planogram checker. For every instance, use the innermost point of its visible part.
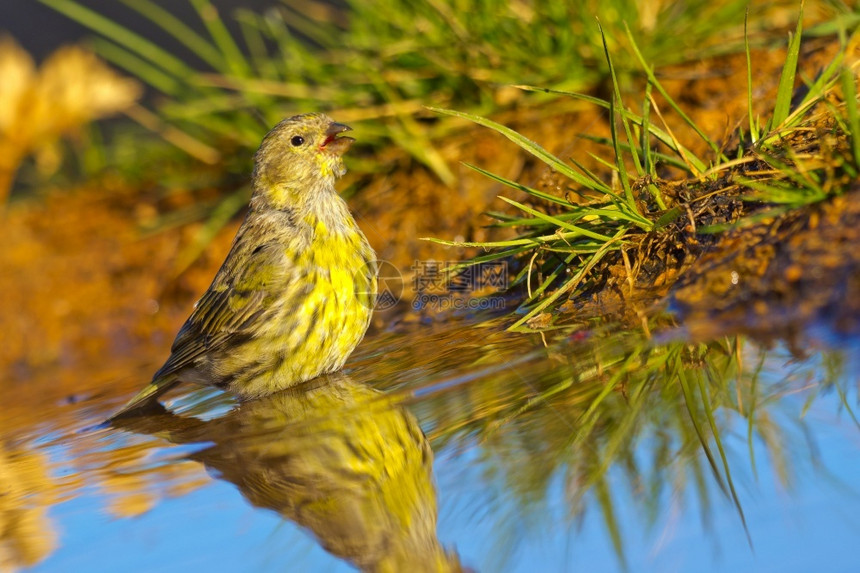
(299, 157)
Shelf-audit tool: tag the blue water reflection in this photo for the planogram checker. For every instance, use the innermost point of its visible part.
(801, 501)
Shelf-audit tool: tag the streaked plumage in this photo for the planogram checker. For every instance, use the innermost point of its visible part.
(295, 294)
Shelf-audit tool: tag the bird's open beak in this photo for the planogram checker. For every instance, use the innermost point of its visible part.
(333, 143)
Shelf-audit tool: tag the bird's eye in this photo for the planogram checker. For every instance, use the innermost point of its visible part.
(297, 140)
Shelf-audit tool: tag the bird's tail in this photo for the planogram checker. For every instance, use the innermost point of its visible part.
(146, 397)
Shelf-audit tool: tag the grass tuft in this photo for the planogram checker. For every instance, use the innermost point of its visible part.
(789, 166)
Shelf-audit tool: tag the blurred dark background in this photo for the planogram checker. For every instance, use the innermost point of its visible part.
(41, 30)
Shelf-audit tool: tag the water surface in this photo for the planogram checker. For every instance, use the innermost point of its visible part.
(454, 444)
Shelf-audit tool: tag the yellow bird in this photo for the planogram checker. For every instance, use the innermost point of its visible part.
(295, 294)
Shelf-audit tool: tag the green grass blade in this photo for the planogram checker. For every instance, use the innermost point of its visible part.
(519, 187)
(573, 282)
(715, 432)
(178, 30)
(556, 221)
(121, 35)
(318, 31)
(849, 92)
(134, 64)
(786, 79)
(493, 256)
(525, 143)
(645, 138)
(550, 278)
(656, 156)
(754, 135)
(249, 25)
(653, 79)
(655, 131)
(531, 241)
(230, 52)
(593, 176)
(576, 95)
(752, 413)
(689, 400)
(505, 220)
(604, 500)
(619, 156)
(609, 213)
(778, 194)
(617, 103)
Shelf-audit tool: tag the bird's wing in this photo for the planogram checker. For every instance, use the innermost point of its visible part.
(245, 288)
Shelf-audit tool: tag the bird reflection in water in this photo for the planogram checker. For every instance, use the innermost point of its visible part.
(336, 457)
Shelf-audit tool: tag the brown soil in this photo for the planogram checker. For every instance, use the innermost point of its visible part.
(796, 273)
